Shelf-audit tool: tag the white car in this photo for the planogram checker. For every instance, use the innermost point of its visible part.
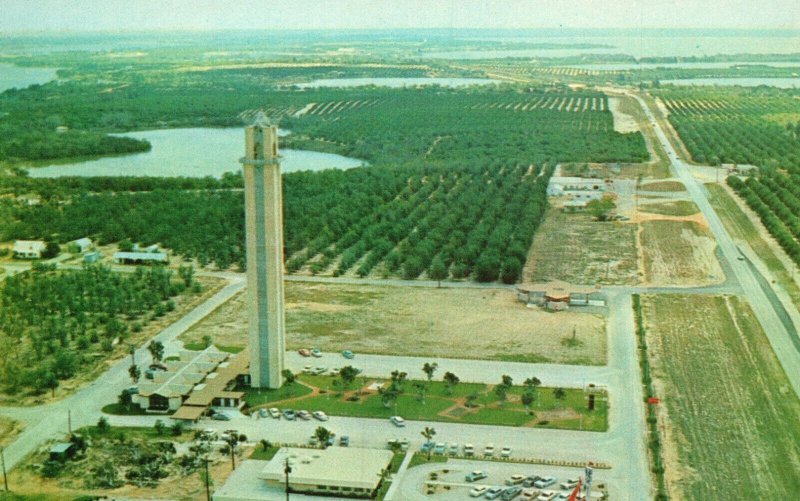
(505, 452)
(530, 493)
(478, 491)
(494, 492)
(469, 450)
(397, 421)
(569, 484)
(515, 479)
(544, 482)
(320, 415)
(546, 496)
(274, 412)
(488, 450)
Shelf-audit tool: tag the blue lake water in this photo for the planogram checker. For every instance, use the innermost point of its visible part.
(783, 83)
(395, 82)
(197, 152)
(19, 77)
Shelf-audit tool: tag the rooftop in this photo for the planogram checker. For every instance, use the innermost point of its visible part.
(341, 466)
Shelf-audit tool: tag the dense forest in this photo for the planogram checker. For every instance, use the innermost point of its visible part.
(54, 322)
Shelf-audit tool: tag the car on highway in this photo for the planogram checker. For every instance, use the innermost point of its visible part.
(515, 479)
(344, 440)
(439, 448)
(469, 450)
(315, 352)
(262, 413)
(505, 452)
(304, 352)
(547, 496)
(511, 492)
(220, 416)
(397, 421)
(488, 451)
(475, 475)
(493, 492)
(319, 415)
(478, 491)
(289, 414)
(304, 415)
(348, 354)
(274, 413)
(544, 482)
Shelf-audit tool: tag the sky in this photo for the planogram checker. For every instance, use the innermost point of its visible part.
(138, 15)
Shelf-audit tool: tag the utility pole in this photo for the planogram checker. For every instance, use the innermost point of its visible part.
(69, 421)
(287, 470)
(3, 461)
(232, 443)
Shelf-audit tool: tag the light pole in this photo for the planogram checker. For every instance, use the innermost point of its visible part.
(3, 461)
(286, 471)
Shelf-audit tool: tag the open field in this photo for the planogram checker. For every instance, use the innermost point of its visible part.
(668, 186)
(731, 415)
(418, 321)
(9, 429)
(441, 405)
(673, 208)
(679, 253)
(139, 448)
(573, 248)
(742, 228)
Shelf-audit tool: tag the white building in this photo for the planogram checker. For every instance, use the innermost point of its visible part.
(82, 244)
(338, 471)
(139, 257)
(559, 185)
(28, 249)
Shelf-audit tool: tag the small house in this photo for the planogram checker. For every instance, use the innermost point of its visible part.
(80, 245)
(140, 258)
(62, 451)
(28, 249)
(91, 257)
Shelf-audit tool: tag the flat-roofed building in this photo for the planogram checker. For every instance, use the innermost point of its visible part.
(336, 471)
(139, 257)
(28, 249)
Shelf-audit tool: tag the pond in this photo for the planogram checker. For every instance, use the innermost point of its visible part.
(783, 83)
(396, 82)
(196, 152)
(683, 65)
(19, 77)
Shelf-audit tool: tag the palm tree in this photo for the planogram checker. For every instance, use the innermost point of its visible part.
(428, 433)
(429, 369)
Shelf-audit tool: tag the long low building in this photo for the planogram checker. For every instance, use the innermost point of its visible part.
(335, 471)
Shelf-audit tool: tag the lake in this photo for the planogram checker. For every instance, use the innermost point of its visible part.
(783, 83)
(196, 152)
(395, 82)
(19, 77)
(684, 65)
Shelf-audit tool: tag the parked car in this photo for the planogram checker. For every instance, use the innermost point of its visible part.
(289, 414)
(532, 479)
(511, 493)
(307, 369)
(439, 448)
(546, 496)
(476, 475)
(478, 491)
(426, 447)
(397, 421)
(505, 452)
(563, 496)
(334, 371)
(348, 354)
(344, 440)
(315, 352)
(515, 479)
(488, 450)
(320, 415)
(304, 415)
(304, 352)
(318, 370)
(530, 493)
(453, 449)
(493, 493)
(544, 482)
(274, 413)
(220, 416)
(570, 483)
(469, 450)
(131, 390)
(403, 442)
(262, 413)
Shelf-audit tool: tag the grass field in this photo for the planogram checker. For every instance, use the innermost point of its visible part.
(732, 417)
(9, 428)
(673, 208)
(742, 228)
(574, 248)
(418, 321)
(679, 253)
(667, 186)
(318, 393)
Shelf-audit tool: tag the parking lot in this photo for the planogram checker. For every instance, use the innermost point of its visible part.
(446, 481)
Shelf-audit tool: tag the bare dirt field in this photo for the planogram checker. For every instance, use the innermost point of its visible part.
(9, 428)
(623, 122)
(663, 186)
(678, 253)
(418, 321)
(672, 208)
(730, 414)
(576, 249)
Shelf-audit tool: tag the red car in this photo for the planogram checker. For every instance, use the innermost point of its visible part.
(304, 352)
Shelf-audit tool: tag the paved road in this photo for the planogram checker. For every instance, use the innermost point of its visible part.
(779, 337)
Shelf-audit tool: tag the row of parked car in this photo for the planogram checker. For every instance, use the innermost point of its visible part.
(315, 352)
(527, 487)
(291, 414)
(468, 449)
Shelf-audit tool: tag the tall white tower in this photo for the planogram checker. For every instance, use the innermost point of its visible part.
(264, 228)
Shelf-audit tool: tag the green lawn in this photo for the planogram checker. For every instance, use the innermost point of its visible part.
(549, 412)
